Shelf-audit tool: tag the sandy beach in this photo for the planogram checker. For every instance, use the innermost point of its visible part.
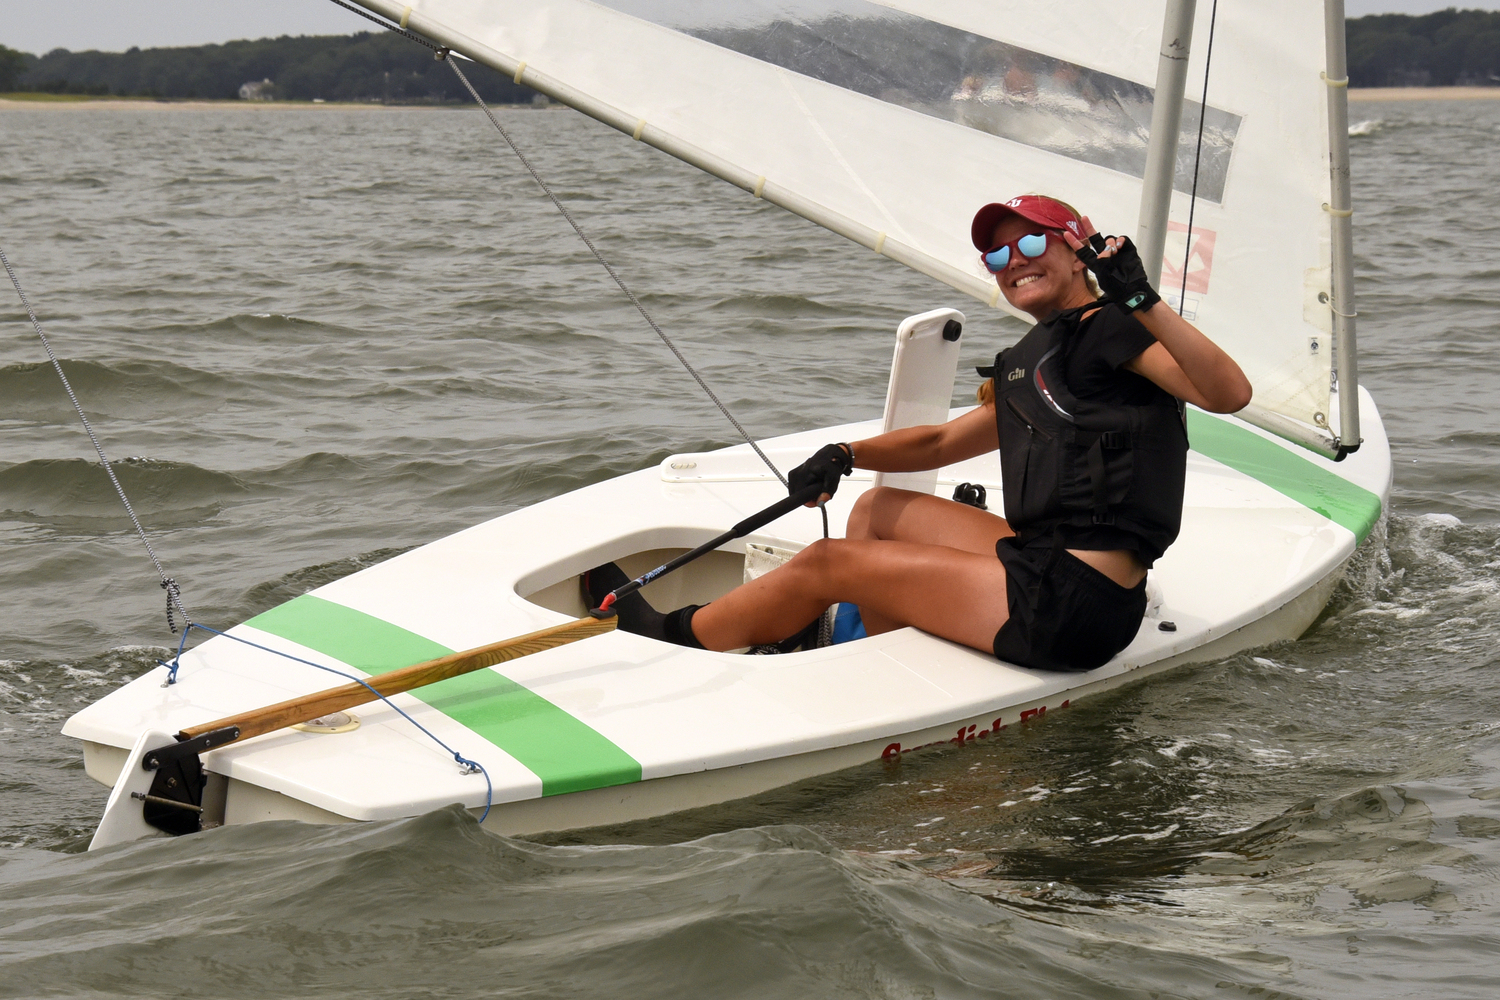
(1424, 93)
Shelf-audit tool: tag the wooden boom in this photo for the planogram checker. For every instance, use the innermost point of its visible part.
(314, 706)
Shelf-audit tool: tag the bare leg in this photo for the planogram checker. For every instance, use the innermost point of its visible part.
(919, 517)
(942, 577)
(901, 515)
(904, 516)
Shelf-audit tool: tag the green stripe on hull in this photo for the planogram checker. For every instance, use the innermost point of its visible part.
(564, 752)
(1286, 472)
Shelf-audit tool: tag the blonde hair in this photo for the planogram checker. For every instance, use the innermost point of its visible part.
(1088, 276)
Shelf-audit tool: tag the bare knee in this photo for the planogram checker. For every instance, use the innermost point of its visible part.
(814, 571)
(875, 512)
(817, 558)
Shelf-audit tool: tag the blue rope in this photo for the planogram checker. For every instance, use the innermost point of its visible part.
(469, 766)
(176, 660)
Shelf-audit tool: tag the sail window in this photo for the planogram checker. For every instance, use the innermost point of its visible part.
(935, 69)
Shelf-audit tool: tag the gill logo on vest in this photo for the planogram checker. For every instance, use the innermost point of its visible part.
(1016, 375)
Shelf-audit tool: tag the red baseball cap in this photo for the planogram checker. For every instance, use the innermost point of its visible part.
(1044, 211)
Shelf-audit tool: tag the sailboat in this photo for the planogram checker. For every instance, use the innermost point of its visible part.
(889, 123)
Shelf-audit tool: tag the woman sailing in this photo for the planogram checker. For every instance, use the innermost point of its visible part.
(1085, 412)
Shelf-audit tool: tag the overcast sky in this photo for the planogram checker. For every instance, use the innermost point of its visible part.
(42, 25)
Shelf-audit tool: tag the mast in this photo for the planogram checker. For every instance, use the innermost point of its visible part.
(1156, 203)
(1340, 210)
(1166, 126)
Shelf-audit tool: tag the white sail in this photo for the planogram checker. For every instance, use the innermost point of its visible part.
(891, 122)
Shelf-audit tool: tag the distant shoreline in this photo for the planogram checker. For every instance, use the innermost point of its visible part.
(71, 102)
(9, 102)
(1361, 94)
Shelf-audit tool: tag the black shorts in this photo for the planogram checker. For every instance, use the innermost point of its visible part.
(1066, 615)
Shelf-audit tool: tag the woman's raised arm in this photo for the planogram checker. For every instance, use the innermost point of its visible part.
(1182, 361)
(1188, 365)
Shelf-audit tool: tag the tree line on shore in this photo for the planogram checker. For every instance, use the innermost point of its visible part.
(1441, 49)
(368, 66)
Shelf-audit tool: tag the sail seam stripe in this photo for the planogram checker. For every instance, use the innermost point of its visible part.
(399, 28)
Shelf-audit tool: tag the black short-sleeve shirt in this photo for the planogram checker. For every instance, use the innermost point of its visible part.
(1096, 355)
(1094, 368)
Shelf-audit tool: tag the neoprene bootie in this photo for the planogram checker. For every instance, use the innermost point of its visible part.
(636, 614)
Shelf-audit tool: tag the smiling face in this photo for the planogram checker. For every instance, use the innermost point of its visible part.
(1044, 284)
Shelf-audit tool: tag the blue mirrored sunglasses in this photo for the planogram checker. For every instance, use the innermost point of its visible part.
(1030, 246)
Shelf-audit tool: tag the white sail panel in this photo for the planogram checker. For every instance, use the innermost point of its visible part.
(891, 123)
(1049, 102)
(1117, 37)
(1263, 279)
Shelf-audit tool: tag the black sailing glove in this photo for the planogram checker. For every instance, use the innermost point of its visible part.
(1121, 275)
(825, 467)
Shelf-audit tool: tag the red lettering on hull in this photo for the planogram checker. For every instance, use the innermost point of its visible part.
(967, 733)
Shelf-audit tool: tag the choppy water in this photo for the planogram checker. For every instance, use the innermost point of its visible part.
(330, 335)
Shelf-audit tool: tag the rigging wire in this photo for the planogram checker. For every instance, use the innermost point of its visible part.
(445, 55)
(466, 765)
(174, 593)
(1187, 253)
(612, 273)
(434, 46)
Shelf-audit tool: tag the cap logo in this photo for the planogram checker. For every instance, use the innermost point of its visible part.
(1013, 203)
(1073, 225)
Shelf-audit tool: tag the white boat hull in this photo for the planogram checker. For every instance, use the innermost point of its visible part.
(621, 728)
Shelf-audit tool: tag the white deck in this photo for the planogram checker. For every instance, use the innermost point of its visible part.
(1246, 554)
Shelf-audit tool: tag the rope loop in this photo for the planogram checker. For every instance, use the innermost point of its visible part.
(176, 663)
(174, 595)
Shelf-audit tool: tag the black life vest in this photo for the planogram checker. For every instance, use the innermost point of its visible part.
(1074, 463)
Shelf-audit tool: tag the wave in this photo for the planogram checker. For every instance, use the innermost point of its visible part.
(50, 488)
(1383, 826)
(438, 906)
(204, 178)
(1368, 127)
(125, 389)
(315, 467)
(267, 595)
(766, 305)
(1415, 564)
(275, 329)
